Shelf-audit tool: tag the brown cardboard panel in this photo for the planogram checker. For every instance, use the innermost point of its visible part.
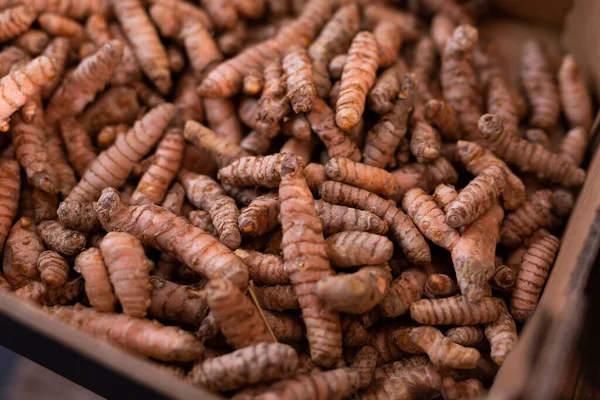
(545, 11)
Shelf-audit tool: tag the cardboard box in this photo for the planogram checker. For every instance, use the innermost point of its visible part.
(539, 366)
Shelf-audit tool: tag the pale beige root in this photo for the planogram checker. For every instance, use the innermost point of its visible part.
(61, 239)
(405, 289)
(22, 249)
(189, 105)
(237, 317)
(58, 25)
(386, 88)
(305, 261)
(264, 171)
(201, 219)
(334, 39)
(383, 139)
(444, 117)
(78, 215)
(388, 36)
(470, 389)
(442, 351)
(410, 378)
(98, 288)
(15, 21)
(23, 83)
(477, 197)
(256, 143)
(424, 63)
(300, 84)
(562, 202)
(351, 249)
(260, 216)
(128, 269)
(144, 39)
(574, 145)
(502, 334)
(222, 151)
(459, 80)
(533, 272)
(357, 79)
(80, 150)
(277, 297)
(340, 218)
(409, 238)
(477, 158)
(473, 255)
(537, 136)
(201, 49)
(10, 186)
(574, 95)
(33, 41)
(534, 213)
(355, 293)
(117, 105)
(173, 302)
(173, 235)
(455, 310)
(273, 104)
(82, 84)
(253, 83)
(441, 31)
(112, 166)
(205, 193)
(147, 338)
(10, 56)
(176, 57)
(165, 165)
(439, 285)
(539, 84)
(468, 335)
(258, 363)
(364, 176)
(336, 66)
(263, 268)
(337, 142)
(54, 269)
(429, 218)
(315, 175)
(444, 195)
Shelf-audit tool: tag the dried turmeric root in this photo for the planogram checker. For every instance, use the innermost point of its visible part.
(261, 216)
(166, 162)
(277, 298)
(15, 21)
(386, 88)
(470, 389)
(473, 255)
(357, 79)
(61, 239)
(205, 193)
(444, 117)
(201, 49)
(334, 38)
(468, 335)
(439, 285)
(300, 84)
(222, 119)
(388, 36)
(111, 167)
(534, 213)
(173, 302)
(80, 150)
(355, 293)
(533, 272)
(263, 268)
(273, 104)
(364, 176)
(476, 159)
(502, 335)
(10, 184)
(305, 260)
(22, 249)
(455, 310)
(575, 98)
(573, 146)
(337, 142)
(429, 218)
(444, 195)
(58, 25)
(145, 42)
(98, 288)
(351, 249)
(385, 137)
(442, 351)
(79, 216)
(117, 105)
(262, 362)
(148, 338)
(54, 269)
(406, 234)
(262, 171)
(540, 86)
(477, 197)
(235, 314)
(172, 234)
(404, 291)
(340, 218)
(222, 151)
(459, 81)
(20, 85)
